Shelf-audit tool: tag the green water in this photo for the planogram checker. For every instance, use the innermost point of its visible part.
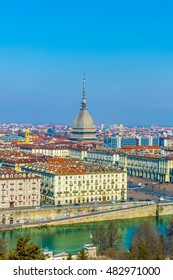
(72, 238)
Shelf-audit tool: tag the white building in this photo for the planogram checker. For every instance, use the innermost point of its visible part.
(68, 182)
(103, 156)
(18, 189)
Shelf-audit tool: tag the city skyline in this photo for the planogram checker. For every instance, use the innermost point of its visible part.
(124, 48)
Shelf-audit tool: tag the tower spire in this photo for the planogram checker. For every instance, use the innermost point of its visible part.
(83, 128)
(84, 100)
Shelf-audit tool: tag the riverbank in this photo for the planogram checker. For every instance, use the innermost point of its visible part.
(70, 238)
(121, 212)
(139, 211)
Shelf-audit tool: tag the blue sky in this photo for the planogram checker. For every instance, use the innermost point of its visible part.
(125, 47)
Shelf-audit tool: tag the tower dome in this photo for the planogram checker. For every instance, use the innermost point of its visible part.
(83, 128)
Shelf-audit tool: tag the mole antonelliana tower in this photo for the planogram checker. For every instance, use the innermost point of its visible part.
(83, 128)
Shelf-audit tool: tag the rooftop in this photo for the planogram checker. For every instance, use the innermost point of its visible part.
(62, 166)
(12, 174)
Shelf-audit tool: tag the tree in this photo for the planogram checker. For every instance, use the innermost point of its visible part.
(169, 237)
(3, 249)
(26, 250)
(147, 244)
(121, 254)
(107, 237)
(113, 238)
(69, 257)
(99, 238)
(110, 253)
(82, 255)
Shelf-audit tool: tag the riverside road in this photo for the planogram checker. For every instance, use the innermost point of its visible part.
(120, 207)
(154, 189)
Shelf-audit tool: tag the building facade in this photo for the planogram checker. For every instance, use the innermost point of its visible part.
(103, 156)
(19, 189)
(155, 167)
(76, 183)
(123, 141)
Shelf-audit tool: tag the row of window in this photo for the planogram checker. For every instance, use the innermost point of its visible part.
(20, 197)
(46, 179)
(91, 199)
(12, 188)
(91, 187)
(92, 181)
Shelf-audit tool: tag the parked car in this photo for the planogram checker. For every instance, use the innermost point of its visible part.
(42, 219)
(22, 221)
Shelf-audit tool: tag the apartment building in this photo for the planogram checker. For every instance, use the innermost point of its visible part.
(155, 167)
(51, 150)
(68, 182)
(18, 189)
(103, 156)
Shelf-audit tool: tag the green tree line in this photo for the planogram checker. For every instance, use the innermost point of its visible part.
(25, 250)
(147, 243)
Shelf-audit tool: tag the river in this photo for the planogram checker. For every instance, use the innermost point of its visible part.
(72, 238)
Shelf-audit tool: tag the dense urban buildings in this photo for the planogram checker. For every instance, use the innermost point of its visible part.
(63, 165)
